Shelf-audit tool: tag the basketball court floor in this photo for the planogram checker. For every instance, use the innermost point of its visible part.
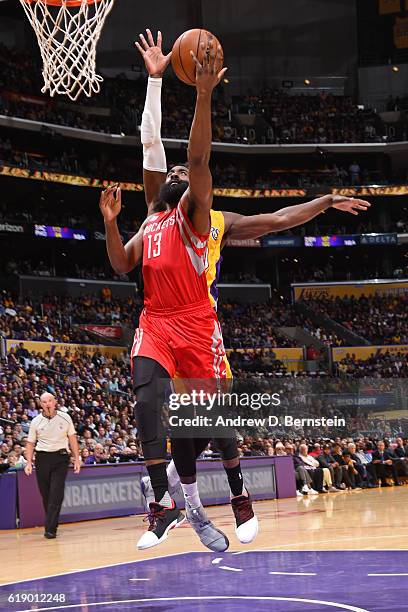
(345, 551)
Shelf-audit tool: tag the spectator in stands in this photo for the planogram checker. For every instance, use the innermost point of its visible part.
(354, 171)
(363, 463)
(400, 449)
(326, 460)
(311, 464)
(99, 455)
(84, 454)
(347, 472)
(384, 462)
(113, 455)
(16, 461)
(279, 449)
(399, 463)
(304, 480)
(353, 473)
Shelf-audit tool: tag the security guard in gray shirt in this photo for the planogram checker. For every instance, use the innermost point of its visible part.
(52, 434)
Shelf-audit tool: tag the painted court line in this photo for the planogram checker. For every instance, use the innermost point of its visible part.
(138, 579)
(330, 604)
(317, 550)
(292, 574)
(338, 541)
(387, 574)
(231, 569)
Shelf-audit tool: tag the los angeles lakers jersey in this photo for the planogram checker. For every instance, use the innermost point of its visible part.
(214, 255)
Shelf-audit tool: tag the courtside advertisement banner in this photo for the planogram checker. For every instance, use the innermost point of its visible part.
(53, 231)
(83, 181)
(312, 291)
(109, 491)
(72, 350)
(113, 332)
(366, 352)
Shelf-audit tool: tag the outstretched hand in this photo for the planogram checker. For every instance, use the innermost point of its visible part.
(155, 61)
(110, 203)
(350, 205)
(208, 71)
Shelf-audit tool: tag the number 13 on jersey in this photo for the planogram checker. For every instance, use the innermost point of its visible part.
(153, 246)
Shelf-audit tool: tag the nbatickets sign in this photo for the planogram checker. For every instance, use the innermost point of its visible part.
(115, 490)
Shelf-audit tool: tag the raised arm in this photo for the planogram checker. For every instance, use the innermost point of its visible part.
(154, 156)
(197, 200)
(123, 258)
(242, 227)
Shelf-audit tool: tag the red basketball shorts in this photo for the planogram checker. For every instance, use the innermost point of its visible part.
(185, 341)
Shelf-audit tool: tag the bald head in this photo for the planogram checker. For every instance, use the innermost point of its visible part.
(48, 402)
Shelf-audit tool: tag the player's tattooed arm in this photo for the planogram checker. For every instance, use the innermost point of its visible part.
(123, 258)
(154, 156)
(242, 227)
(198, 198)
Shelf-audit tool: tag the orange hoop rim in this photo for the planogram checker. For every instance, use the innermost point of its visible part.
(68, 3)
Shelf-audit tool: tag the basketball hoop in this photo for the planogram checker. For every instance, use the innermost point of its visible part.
(68, 32)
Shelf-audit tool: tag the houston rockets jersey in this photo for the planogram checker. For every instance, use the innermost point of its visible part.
(175, 260)
(214, 254)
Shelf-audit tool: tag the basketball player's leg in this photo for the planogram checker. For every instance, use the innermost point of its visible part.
(184, 457)
(205, 358)
(246, 527)
(151, 366)
(246, 523)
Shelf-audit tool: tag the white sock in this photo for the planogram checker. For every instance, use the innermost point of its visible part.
(191, 495)
(172, 475)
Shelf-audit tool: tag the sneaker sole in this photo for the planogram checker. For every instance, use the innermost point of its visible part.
(224, 547)
(181, 520)
(163, 538)
(212, 545)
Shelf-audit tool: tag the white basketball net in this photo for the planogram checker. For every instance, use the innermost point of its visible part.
(67, 37)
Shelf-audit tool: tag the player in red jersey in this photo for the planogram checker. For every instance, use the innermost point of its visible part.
(178, 329)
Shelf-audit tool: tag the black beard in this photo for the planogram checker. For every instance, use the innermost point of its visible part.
(171, 193)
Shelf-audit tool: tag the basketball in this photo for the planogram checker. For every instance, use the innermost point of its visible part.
(181, 60)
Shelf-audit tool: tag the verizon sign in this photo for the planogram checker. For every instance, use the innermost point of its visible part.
(11, 229)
